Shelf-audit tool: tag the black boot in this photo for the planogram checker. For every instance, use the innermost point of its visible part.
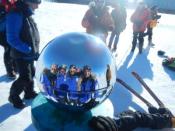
(29, 90)
(16, 101)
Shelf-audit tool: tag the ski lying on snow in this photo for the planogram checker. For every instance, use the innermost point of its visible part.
(134, 92)
(159, 102)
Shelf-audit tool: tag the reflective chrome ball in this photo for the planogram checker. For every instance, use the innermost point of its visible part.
(76, 71)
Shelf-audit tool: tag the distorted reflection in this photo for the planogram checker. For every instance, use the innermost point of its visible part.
(75, 86)
(76, 70)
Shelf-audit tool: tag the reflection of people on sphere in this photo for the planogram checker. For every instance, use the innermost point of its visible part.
(97, 20)
(49, 78)
(88, 80)
(61, 78)
(72, 78)
(108, 75)
(129, 120)
(87, 83)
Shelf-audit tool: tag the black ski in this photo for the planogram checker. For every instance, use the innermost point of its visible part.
(134, 92)
(159, 102)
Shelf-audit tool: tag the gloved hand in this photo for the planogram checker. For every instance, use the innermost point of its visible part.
(165, 111)
(153, 110)
(101, 123)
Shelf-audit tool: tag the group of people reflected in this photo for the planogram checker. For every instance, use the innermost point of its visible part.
(72, 86)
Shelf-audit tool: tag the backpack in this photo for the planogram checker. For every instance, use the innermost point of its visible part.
(169, 62)
(5, 6)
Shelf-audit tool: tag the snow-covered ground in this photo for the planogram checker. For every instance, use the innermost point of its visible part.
(54, 19)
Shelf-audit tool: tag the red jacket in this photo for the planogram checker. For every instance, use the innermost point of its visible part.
(101, 23)
(140, 19)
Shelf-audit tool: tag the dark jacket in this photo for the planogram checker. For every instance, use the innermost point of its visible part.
(22, 33)
(119, 16)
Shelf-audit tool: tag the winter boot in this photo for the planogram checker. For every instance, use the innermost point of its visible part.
(29, 90)
(16, 101)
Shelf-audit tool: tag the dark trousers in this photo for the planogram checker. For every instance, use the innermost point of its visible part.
(114, 38)
(9, 62)
(138, 36)
(25, 81)
(149, 33)
(128, 121)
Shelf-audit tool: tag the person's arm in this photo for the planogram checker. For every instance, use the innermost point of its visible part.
(129, 120)
(14, 22)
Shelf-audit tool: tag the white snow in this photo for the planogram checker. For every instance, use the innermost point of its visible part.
(54, 19)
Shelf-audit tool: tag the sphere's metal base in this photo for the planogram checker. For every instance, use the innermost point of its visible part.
(46, 116)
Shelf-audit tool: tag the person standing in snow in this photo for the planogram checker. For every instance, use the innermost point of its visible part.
(152, 23)
(8, 61)
(97, 20)
(119, 16)
(140, 19)
(23, 37)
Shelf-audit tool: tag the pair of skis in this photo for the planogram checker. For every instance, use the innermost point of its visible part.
(159, 102)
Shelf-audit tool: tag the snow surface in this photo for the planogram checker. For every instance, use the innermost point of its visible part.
(54, 19)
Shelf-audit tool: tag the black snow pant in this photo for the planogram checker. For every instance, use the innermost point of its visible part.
(25, 80)
(149, 33)
(8, 60)
(140, 37)
(114, 38)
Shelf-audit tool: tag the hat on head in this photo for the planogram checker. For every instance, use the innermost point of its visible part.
(86, 67)
(33, 1)
(63, 67)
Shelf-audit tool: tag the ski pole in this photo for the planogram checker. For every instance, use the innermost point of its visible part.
(159, 102)
(134, 92)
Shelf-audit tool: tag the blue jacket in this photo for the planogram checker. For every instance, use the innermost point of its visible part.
(22, 33)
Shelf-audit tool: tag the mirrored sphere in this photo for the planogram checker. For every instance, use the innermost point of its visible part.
(76, 71)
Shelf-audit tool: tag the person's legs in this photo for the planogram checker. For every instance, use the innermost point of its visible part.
(29, 87)
(141, 40)
(150, 33)
(23, 83)
(134, 41)
(111, 39)
(9, 63)
(18, 85)
(116, 41)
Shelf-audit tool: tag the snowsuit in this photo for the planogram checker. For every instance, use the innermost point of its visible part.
(140, 19)
(98, 22)
(119, 16)
(23, 37)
